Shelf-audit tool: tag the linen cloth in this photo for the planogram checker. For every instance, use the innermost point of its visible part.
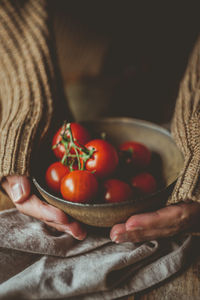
(37, 262)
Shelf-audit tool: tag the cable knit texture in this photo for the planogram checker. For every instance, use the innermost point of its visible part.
(186, 130)
(26, 82)
(28, 86)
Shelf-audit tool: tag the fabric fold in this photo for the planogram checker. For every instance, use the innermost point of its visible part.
(37, 262)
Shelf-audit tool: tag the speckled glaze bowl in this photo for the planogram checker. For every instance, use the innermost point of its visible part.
(167, 162)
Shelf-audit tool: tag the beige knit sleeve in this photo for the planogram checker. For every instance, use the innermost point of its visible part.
(186, 130)
(27, 82)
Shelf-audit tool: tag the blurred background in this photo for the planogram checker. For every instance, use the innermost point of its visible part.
(123, 58)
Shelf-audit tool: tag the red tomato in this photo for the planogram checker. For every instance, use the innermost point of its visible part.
(140, 155)
(79, 186)
(145, 183)
(79, 133)
(104, 159)
(54, 174)
(116, 191)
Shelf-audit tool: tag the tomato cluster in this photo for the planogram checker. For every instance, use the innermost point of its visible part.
(89, 169)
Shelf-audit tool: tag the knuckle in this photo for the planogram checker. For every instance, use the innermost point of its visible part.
(181, 218)
(178, 211)
(184, 219)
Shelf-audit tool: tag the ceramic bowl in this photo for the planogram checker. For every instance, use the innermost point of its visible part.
(166, 165)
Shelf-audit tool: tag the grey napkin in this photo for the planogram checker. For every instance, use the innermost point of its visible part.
(37, 262)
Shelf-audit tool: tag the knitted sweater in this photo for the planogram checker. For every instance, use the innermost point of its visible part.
(30, 85)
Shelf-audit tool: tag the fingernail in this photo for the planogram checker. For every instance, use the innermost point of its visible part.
(114, 238)
(122, 238)
(16, 192)
(79, 237)
(68, 231)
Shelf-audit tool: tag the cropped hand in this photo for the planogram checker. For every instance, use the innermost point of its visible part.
(162, 223)
(19, 190)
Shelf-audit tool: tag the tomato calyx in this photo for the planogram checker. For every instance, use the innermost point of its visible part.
(80, 154)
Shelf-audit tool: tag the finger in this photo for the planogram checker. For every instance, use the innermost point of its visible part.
(166, 217)
(18, 188)
(191, 216)
(51, 215)
(182, 217)
(77, 230)
(73, 229)
(116, 231)
(140, 235)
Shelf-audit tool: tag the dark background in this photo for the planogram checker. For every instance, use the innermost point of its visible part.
(141, 48)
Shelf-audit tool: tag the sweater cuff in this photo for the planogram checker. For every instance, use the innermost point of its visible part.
(15, 150)
(187, 187)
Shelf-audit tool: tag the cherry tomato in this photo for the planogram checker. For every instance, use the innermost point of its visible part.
(137, 154)
(79, 133)
(79, 186)
(54, 174)
(145, 183)
(104, 160)
(116, 191)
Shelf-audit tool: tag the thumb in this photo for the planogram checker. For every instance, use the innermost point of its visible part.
(18, 188)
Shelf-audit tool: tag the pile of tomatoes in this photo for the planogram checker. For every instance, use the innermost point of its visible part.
(88, 169)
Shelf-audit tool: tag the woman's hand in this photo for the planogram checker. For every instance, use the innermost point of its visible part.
(162, 223)
(19, 190)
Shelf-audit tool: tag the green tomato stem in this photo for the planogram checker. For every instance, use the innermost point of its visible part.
(82, 154)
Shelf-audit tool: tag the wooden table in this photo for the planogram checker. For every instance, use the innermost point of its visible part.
(182, 286)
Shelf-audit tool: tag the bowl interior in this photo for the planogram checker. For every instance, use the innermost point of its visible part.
(167, 160)
(166, 164)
